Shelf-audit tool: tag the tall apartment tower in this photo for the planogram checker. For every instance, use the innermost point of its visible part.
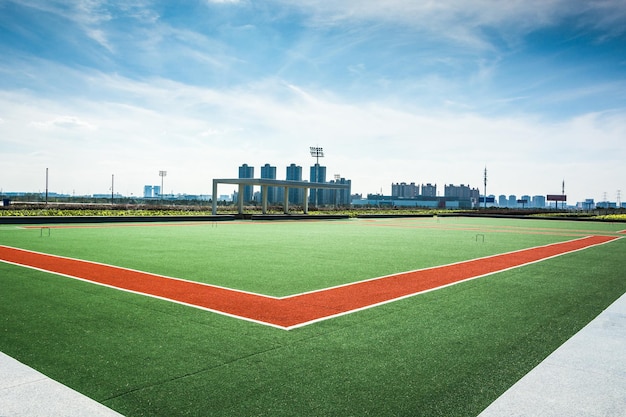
(294, 173)
(539, 201)
(429, 190)
(463, 192)
(318, 174)
(246, 171)
(512, 201)
(269, 172)
(341, 197)
(404, 190)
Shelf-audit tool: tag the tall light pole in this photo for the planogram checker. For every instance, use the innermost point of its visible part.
(317, 153)
(46, 186)
(485, 206)
(112, 187)
(337, 195)
(162, 174)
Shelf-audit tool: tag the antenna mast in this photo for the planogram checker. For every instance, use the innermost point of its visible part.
(485, 187)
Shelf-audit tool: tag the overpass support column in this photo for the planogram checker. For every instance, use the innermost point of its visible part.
(240, 199)
(286, 201)
(264, 189)
(306, 200)
(214, 198)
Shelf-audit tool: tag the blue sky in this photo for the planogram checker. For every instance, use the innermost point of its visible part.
(394, 91)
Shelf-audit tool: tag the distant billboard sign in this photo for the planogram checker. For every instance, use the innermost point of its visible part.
(556, 197)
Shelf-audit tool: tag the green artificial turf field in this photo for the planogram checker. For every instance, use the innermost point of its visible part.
(446, 352)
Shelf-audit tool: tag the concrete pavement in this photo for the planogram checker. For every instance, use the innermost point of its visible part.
(585, 377)
(25, 392)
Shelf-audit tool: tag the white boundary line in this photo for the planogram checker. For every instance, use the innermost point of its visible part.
(310, 292)
(440, 266)
(453, 283)
(132, 270)
(223, 313)
(286, 296)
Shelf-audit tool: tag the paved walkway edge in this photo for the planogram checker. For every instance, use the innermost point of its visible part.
(585, 377)
(24, 392)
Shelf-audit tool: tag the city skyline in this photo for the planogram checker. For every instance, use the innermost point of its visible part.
(397, 190)
(393, 91)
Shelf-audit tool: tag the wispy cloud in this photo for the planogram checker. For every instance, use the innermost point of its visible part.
(273, 122)
(463, 22)
(395, 91)
(64, 122)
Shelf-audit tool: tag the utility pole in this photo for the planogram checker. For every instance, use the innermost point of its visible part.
(46, 186)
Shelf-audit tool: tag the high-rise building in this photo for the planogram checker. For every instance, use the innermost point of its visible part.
(246, 171)
(460, 191)
(317, 174)
(148, 191)
(269, 172)
(512, 201)
(429, 190)
(463, 192)
(502, 201)
(539, 201)
(404, 190)
(341, 197)
(294, 173)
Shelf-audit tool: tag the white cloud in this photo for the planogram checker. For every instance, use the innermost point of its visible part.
(64, 122)
(198, 134)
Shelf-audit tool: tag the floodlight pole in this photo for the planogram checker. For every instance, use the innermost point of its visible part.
(112, 187)
(317, 153)
(162, 174)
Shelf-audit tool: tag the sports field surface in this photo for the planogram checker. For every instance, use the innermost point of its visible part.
(415, 316)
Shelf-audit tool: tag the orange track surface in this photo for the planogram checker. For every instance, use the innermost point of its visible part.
(297, 310)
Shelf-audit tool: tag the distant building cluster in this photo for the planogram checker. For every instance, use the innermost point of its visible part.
(403, 194)
(424, 196)
(275, 195)
(404, 190)
(462, 196)
(151, 191)
(525, 201)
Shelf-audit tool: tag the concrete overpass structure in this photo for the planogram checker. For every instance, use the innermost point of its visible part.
(265, 183)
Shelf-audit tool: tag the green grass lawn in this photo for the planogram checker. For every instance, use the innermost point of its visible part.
(449, 352)
(282, 258)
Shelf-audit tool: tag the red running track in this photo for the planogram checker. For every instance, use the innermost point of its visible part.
(297, 310)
